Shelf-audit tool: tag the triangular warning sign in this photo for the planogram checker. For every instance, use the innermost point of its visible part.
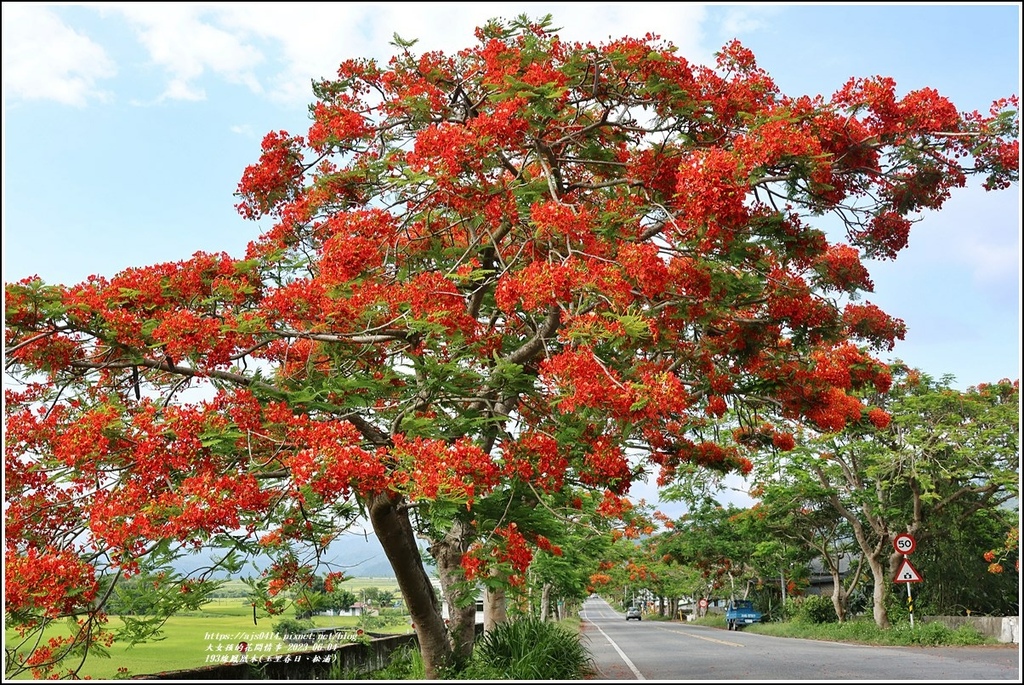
(907, 573)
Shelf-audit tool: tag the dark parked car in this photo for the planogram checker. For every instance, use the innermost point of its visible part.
(633, 612)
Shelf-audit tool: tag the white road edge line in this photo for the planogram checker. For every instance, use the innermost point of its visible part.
(638, 674)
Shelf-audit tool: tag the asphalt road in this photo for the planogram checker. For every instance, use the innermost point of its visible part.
(675, 651)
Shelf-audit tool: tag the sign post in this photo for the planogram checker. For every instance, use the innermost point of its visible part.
(904, 544)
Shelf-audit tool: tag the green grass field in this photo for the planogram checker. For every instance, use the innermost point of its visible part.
(197, 639)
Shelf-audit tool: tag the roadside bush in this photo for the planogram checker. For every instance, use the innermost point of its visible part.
(404, 664)
(780, 611)
(935, 633)
(529, 649)
(896, 605)
(814, 609)
(864, 631)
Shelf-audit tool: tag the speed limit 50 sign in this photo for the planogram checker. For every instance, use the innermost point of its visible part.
(904, 543)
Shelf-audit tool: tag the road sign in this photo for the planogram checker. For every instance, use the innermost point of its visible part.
(904, 543)
(907, 573)
(703, 603)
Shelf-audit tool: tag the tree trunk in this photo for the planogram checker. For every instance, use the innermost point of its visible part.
(397, 537)
(461, 603)
(879, 611)
(840, 593)
(871, 551)
(838, 597)
(495, 609)
(545, 602)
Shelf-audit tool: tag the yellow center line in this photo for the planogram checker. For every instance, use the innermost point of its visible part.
(701, 637)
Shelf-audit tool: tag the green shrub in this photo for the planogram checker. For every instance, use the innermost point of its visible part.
(404, 664)
(896, 605)
(529, 649)
(779, 611)
(814, 609)
(935, 633)
(864, 631)
(385, 618)
(290, 627)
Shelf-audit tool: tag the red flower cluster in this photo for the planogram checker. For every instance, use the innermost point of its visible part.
(435, 469)
(538, 459)
(275, 179)
(53, 582)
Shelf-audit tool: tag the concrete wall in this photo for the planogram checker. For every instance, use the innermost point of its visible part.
(302, 665)
(313, 664)
(1003, 628)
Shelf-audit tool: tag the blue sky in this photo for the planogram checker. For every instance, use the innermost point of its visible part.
(127, 127)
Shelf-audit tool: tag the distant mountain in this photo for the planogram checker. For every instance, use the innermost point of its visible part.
(357, 554)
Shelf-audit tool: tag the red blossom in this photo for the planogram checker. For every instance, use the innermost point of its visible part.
(879, 417)
(266, 185)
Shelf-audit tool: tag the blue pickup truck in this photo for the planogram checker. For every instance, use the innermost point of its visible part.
(740, 613)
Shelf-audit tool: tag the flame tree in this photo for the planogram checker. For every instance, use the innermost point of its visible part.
(532, 263)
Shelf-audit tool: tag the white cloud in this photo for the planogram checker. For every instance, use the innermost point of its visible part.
(971, 232)
(309, 40)
(278, 48)
(181, 89)
(993, 264)
(747, 19)
(44, 59)
(180, 40)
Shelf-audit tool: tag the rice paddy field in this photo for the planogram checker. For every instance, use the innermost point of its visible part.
(209, 636)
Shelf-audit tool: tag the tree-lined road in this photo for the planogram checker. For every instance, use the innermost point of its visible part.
(657, 650)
